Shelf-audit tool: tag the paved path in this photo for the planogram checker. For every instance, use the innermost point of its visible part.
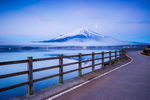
(131, 82)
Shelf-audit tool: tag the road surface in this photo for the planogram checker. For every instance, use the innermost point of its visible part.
(131, 82)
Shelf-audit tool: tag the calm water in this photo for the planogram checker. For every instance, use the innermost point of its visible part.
(9, 56)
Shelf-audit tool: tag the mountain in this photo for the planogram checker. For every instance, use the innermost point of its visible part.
(84, 36)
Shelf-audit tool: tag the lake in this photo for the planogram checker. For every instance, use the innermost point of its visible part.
(10, 56)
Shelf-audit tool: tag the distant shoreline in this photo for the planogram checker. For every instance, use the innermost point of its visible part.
(20, 48)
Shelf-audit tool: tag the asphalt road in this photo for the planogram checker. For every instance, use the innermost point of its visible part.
(131, 82)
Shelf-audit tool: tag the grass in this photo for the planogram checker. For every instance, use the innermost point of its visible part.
(148, 54)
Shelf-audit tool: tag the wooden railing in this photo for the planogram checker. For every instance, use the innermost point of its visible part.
(61, 73)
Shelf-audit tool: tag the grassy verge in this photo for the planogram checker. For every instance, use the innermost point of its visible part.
(148, 54)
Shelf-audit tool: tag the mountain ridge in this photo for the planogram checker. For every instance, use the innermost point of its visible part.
(82, 35)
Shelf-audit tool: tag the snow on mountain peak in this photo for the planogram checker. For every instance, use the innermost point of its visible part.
(84, 36)
(81, 31)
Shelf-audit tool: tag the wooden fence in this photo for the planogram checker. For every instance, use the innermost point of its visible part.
(117, 54)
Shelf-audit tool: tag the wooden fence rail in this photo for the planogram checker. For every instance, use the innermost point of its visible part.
(117, 54)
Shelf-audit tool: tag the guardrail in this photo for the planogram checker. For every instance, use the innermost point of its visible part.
(30, 70)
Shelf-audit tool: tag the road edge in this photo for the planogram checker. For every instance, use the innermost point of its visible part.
(88, 81)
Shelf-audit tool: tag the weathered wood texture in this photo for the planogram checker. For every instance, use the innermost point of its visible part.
(60, 66)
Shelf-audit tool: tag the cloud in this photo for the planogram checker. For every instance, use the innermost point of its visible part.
(41, 18)
(134, 22)
(96, 26)
(144, 22)
(80, 11)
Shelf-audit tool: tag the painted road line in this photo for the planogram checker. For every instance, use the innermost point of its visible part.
(66, 91)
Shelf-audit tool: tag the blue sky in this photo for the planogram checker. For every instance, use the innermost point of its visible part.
(33, 20)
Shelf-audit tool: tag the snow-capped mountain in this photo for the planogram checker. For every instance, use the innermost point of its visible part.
(84, 36)
(81, 34)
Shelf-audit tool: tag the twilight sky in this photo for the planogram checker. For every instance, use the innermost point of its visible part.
(33, 20)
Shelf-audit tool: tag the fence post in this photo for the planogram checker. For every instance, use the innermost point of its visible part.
(109, 57)
(102, 59)
(120, 57)
(93, 61)
(115, 55)
(61, 69)
(30, 75)
(123, 53)
(80, 64)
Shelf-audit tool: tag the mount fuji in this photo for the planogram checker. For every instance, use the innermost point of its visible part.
(84, 37)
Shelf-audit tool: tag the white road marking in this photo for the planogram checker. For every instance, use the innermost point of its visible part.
(66, 91)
